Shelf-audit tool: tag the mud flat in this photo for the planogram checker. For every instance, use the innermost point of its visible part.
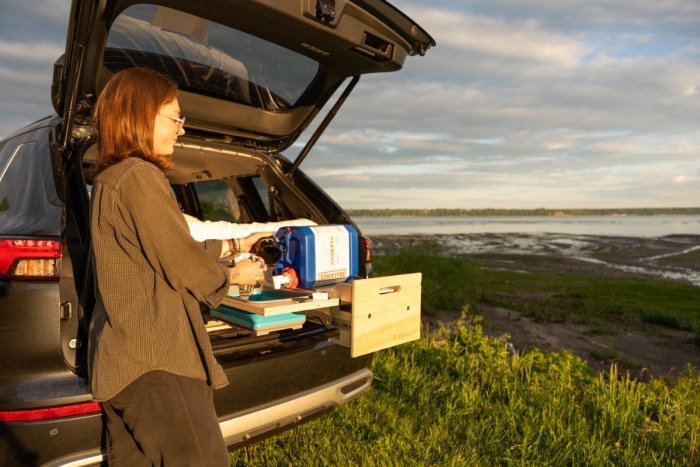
(644, 349)
(672, 258)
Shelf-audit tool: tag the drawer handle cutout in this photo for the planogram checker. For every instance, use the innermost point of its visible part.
(386, 290)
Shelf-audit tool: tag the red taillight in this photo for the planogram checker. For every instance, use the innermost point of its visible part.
(30, 258)
(47, 414)
(369, 250)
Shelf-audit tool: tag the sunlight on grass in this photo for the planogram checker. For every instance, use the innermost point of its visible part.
(463, 400)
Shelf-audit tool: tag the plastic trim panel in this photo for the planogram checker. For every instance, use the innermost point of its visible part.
(253, 422)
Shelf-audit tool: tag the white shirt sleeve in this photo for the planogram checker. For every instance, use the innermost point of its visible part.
(222, 230)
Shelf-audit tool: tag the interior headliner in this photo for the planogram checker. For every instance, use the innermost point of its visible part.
(195, 163)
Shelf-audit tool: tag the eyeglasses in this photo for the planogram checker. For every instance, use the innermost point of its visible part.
(180, 122)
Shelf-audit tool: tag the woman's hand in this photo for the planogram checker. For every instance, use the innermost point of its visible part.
(248, 242)
(248, 272)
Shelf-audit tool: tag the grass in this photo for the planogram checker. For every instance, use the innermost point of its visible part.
(599, 331)
(627, 363)
(609, 355)
(665, 319)
(582, 298)
(588, 299)
(462, 400)
(672, 343)
(451, 282)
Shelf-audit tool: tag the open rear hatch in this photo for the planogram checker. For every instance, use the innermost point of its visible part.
(254, 71)
(252, 76)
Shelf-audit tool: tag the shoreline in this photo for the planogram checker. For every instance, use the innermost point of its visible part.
(674, 258)
(629, 226)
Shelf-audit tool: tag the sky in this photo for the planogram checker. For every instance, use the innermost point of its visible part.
(522, 104)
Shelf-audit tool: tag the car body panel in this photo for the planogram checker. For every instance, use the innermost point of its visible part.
(32, 443)
(34, 372)
(29, 203)
(274, 381)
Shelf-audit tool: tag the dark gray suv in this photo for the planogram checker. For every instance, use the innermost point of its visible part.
(252, 75)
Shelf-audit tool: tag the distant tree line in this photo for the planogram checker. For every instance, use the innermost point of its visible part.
(521, 212)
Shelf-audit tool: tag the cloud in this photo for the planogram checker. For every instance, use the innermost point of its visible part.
(523, 103)
(556, 146)
(567, 15)
(637, 38)
(683, 179)
(519, 134)
(36, 51)
(512, 39)
(24, 98)
(32, 37)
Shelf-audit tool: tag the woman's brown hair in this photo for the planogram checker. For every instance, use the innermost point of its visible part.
(125, 115)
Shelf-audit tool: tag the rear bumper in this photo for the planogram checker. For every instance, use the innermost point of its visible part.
(267, 420)
(252, 425)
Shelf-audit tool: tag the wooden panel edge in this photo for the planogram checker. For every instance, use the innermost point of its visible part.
(409, 281)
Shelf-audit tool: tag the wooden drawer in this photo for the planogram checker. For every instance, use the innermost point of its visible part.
(385, 312)
(371, 314)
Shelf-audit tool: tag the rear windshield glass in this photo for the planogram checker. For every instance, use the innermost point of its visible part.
(208, 57)
(217, 201)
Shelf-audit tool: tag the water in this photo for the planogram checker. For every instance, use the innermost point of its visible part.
(632, 226)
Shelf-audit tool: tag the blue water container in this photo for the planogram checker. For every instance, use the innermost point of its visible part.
(319, 255)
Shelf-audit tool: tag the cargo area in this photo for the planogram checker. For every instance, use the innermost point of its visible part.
(218, 185)
(244, 105)
(219, 189)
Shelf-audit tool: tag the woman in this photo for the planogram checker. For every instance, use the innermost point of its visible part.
(150, 359)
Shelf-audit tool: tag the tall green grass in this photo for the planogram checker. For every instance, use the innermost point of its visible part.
(464, 400)
(461, 399)
(589, 299)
